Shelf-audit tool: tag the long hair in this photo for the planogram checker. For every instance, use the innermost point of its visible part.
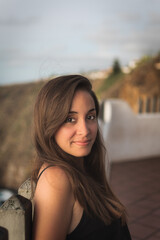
(90, 187)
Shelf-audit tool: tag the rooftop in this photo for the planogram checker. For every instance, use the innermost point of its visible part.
(137, 184)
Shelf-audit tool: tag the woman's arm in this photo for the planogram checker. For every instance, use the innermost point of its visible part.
(54, 202)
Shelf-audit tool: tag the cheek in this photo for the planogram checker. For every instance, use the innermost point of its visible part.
(63, 135)
(94, 129)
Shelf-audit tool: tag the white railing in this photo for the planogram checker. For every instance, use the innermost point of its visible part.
(129, 136)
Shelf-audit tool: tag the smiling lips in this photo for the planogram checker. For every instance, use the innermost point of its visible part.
(82, 143)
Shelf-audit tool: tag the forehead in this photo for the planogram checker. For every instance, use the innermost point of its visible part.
(82, 98)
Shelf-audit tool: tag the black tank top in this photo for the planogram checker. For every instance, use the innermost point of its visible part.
(95, 229)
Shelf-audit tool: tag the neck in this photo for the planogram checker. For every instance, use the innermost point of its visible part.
(80, 163)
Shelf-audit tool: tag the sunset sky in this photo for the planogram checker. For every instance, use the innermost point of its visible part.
(40, 38)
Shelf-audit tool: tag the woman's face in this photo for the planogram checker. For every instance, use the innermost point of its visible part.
(78, 133)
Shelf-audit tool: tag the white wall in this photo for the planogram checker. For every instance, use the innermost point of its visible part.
(129, 136)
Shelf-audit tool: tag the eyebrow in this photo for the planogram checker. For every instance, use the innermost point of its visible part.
(73, 112)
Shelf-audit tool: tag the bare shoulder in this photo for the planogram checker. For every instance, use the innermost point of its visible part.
(53, 179)
(54, 201)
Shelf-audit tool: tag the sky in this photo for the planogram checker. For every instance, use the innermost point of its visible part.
(42, 38)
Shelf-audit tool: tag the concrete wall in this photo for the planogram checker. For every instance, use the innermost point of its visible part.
(16, 215)
(129, 136)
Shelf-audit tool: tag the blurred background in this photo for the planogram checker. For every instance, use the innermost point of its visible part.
(116, 44)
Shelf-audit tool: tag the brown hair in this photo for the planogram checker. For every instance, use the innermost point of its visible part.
(91, 188)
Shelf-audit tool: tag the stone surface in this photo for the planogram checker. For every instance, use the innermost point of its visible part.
(25, 189)
(16, 217)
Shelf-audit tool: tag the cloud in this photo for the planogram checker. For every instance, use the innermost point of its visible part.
(154, 19)
(128, 36)
(131, 17)
(14, 21)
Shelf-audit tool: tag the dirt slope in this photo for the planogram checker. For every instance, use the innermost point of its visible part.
(142, 82)
(16, 148)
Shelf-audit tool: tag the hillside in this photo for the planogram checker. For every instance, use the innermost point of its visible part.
(16, 149)
(143, 82)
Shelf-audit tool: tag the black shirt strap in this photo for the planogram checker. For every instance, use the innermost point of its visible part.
(43, 171)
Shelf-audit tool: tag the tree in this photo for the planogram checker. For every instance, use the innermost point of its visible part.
(116, 67)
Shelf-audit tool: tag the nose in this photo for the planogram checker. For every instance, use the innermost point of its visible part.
(83, 128)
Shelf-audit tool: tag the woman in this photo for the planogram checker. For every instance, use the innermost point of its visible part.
(72, 198)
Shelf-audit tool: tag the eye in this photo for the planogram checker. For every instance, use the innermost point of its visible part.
(91, 117)
(70, 120)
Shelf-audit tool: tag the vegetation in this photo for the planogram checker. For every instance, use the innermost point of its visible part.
(116, 67)
(114, 77)
(16, 148)
(109, 82)
(141, 83)
(143, 60)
